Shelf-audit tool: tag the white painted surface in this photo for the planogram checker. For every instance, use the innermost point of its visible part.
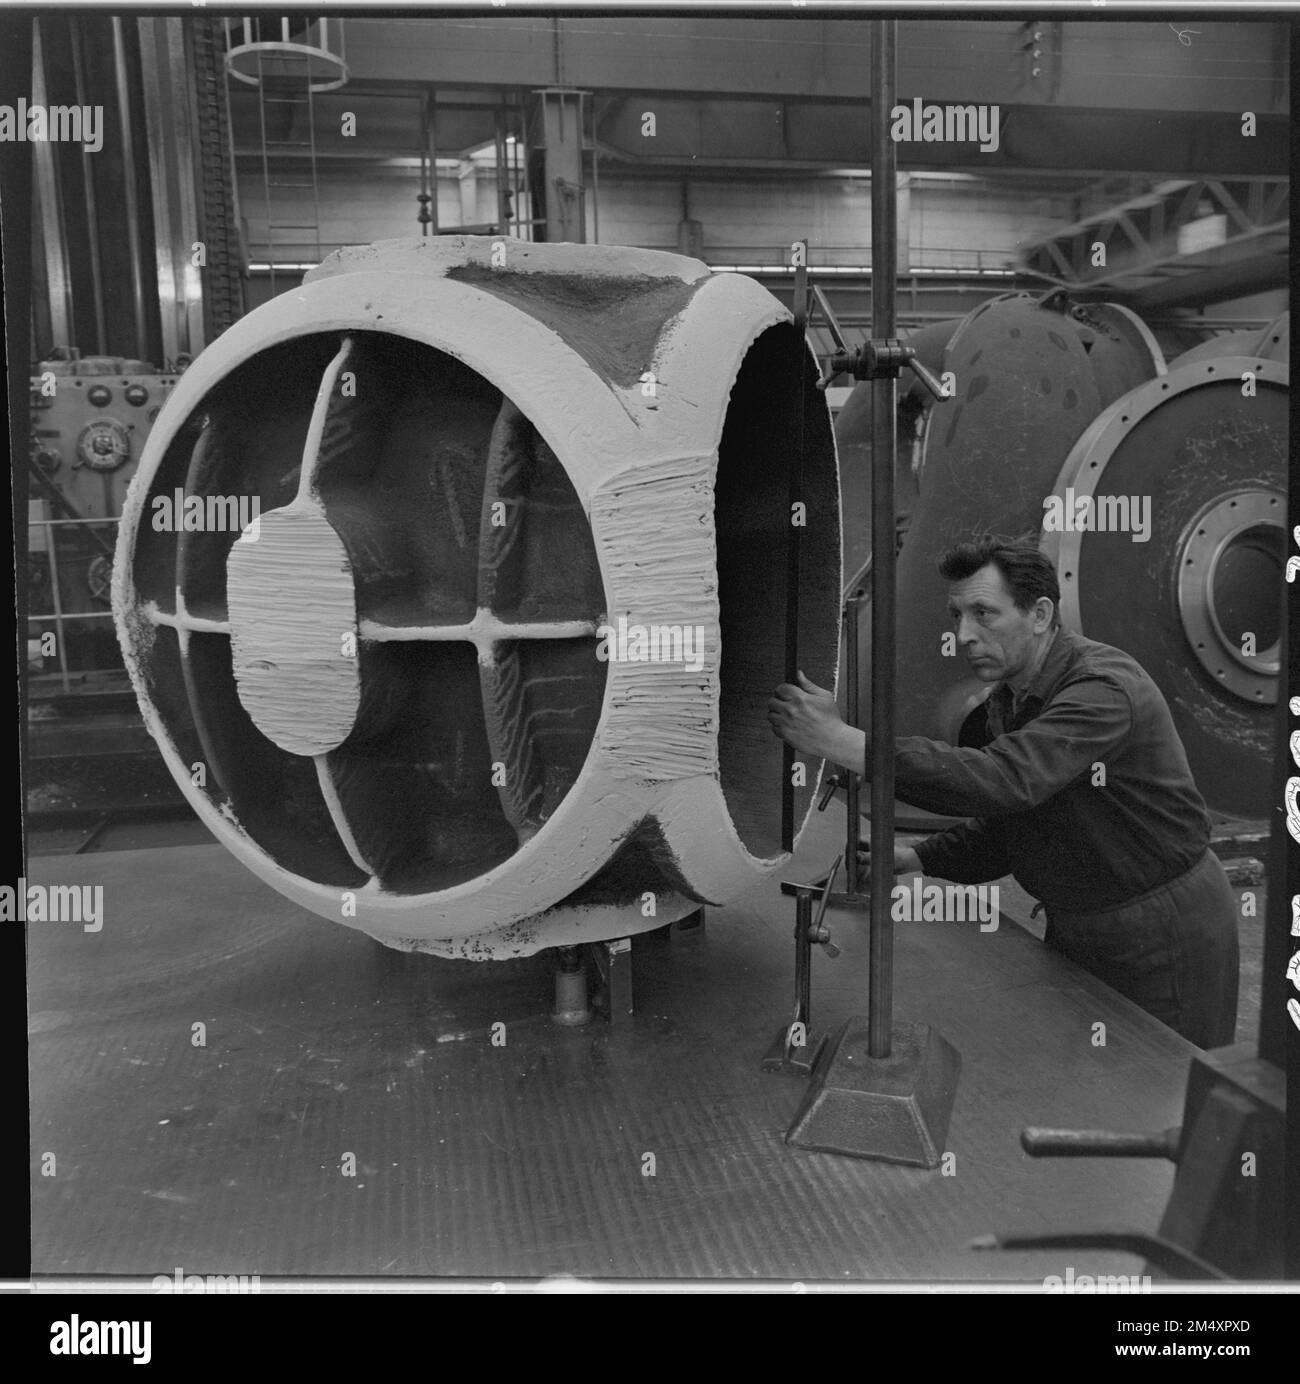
(644, 471)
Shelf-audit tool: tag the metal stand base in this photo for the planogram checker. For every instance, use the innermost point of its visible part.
(794, 1050)
(1218, 1224)
(613, 962)
(1235, 1109)
(793, 1053)
(571, 1007)
(894, 1108)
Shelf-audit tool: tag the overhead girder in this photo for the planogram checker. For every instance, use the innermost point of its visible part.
(1268, 266)
(1122, 65)
(820, 134)
(1154, 253)
(798, 132)
(386, 124)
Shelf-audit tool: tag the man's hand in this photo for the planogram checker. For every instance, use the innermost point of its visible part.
(807, 718)
(906, 860)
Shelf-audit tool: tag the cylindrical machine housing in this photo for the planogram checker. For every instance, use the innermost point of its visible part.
(482, 664)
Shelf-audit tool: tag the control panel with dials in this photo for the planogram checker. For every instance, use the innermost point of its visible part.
(88, 428)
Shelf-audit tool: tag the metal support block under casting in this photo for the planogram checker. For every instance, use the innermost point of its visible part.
(613, 960)
(893, 1108)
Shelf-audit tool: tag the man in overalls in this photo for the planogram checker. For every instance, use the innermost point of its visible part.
(1078, 785)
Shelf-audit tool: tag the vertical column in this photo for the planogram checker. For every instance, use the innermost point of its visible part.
(556, 163)
(170, 116)
(884, 391)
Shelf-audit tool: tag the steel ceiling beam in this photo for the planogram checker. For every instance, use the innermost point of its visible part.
(1122, 64)
(817, 134)
(1215, 285)
(1198, 241)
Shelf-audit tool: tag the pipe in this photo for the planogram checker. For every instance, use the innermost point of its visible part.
(121, 78)
(499, 146)
(423, 198)
(53, 224)
(102, 345)
(794, 497)
(595, 175)
(884, 392)
(853, 706)
(430, 152)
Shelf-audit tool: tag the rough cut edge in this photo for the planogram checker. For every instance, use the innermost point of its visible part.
(291, 603)
(654, 531)
(561, 926)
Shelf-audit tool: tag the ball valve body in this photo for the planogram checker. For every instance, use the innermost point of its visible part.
(451, 587)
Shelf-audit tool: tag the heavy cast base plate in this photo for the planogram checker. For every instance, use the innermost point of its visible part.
(894, 1108)
(785, 1053)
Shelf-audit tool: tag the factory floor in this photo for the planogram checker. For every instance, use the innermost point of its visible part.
(343, 1110)
(1240, 845)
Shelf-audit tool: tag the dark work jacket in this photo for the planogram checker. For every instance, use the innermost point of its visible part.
(1044, 812)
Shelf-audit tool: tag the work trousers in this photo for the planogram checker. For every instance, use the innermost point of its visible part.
(1173, 951)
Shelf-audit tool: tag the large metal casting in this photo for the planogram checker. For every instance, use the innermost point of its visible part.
(1181, 489)
(433, 691)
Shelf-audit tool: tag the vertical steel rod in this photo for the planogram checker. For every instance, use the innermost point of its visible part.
(53, 224)
(503, 226)
(121, 77)
(90, 200)
(884, 252)
(803, 918)
(266, 178)
(595, 176)
(431, 153)
(853, 705)
(423, 197)
(793, 531)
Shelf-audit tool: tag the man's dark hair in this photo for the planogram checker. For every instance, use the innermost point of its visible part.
(1027, 572)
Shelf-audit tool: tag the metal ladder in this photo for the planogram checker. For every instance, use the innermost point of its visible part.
(295, 104)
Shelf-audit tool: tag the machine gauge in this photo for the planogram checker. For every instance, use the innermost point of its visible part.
(104, 445)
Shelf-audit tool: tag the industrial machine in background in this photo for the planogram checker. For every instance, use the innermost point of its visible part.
(89, 760)
(90, 418)
(1068, 409)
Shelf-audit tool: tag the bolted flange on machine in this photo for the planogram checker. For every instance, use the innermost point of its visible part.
(488, 671)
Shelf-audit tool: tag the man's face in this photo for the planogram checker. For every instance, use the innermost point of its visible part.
(996, 638)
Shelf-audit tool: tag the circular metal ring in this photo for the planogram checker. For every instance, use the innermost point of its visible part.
(1086, 464)
(1189, 446)
(1227, 525)
(298, 52)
